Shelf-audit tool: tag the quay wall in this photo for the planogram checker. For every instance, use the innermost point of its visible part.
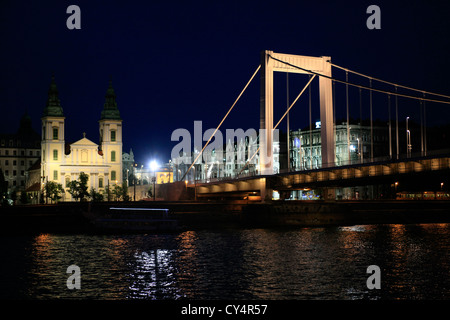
(69, 217)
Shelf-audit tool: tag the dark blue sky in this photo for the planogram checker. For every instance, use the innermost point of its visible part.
(173, 62)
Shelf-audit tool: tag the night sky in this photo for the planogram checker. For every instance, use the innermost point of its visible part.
(174, 62)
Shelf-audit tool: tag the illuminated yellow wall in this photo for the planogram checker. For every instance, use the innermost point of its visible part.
(164, 177)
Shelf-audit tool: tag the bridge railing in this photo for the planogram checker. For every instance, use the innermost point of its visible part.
(401, 164)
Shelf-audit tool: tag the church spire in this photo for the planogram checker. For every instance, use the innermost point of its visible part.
(53, 107)
(110, 110)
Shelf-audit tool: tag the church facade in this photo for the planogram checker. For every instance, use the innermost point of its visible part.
(63, 162)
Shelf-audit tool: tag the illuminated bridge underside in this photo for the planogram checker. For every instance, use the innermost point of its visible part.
(354, 175)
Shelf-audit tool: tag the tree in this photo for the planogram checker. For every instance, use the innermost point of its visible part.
(24, 198)
(125, 196)
(120, 193)
(150, 192)
(107, 193)
(78, 188)
(53, 190)
(95, 196)
(3, 188)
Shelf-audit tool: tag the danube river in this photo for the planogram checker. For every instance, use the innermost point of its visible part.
(307, 263)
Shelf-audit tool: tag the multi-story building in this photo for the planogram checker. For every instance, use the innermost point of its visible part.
(355, 147)
(237, 158)
(18, 152)
(63, 162)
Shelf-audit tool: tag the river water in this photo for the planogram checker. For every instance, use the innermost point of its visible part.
(307, 263)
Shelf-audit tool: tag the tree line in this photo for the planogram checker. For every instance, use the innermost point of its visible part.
(78, 189)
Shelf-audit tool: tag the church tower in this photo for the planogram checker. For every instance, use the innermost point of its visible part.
(111, 136)
(52, 143)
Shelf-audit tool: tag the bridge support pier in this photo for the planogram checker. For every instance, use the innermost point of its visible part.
(264, 190)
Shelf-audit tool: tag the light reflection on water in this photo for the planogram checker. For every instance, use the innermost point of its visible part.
(308, 263)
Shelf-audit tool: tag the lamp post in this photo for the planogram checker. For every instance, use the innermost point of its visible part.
(134, 184)
(408, 140)
(395, 187)
(195, 184)
(153, 167)
(359, 149)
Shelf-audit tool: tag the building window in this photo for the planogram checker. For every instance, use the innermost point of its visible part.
(6, 162)
(100, 182)
(55, 175)
(22, 173)
(43, 133)
(113, 135)
(6, 152)
(113, 175)
(22, 162)
(67, 181)
(14, 173)
(31, 153)
(55, 133)
(55, 154)
(14, 163)
(6, 172)
(113, 157)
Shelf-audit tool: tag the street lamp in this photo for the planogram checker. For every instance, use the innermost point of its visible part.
(408, 139)
(195, 184)
(359, 150)
(396, 185)
(154, 167)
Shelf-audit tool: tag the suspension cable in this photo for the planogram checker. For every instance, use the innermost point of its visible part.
(231, 108)
(361, 86)
(390, 83)
(287, 111)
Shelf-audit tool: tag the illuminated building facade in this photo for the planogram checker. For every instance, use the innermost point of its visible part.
(62, 162)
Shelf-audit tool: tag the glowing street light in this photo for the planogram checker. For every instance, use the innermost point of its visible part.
(153, 165)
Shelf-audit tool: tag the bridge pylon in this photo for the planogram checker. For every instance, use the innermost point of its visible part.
(273, 62)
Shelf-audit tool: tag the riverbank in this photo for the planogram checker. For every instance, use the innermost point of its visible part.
(68, 217)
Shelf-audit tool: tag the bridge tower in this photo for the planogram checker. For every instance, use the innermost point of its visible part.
(270, 62)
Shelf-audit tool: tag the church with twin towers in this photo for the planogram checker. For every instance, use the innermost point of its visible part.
(63, 162)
